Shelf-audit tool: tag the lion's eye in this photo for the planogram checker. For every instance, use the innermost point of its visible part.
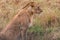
(38, 8)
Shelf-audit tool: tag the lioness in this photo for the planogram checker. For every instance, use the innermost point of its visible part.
(21, 22)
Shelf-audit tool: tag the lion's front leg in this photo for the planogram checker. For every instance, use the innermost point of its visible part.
(23, 33)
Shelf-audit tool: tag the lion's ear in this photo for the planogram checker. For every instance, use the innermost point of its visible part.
(31, 4)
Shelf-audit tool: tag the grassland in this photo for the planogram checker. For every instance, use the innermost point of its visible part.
(46, 25)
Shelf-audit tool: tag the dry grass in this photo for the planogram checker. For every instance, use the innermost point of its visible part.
(49, 19)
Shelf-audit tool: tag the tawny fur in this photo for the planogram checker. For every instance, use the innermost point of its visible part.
(20, 23)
